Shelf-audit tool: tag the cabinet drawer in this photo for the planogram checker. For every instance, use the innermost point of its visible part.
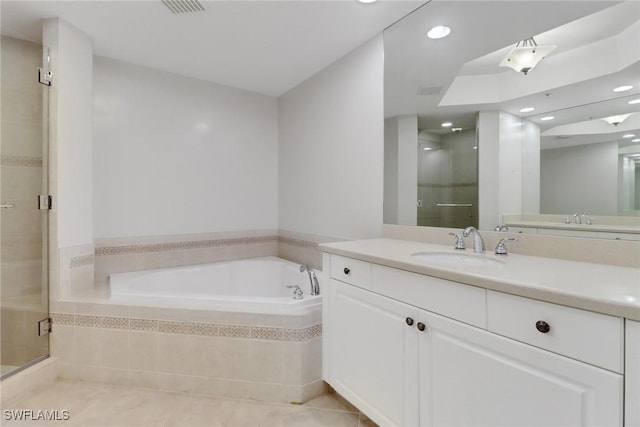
(583, 335)
(351, 271)
(450, 299)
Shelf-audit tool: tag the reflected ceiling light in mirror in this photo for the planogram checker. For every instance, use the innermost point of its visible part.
(544, 119)
(635, 140)
(634, 101)
(446, 124)
(438, 32)
(526, 55)
(456, 129)
(629, 135)
(527, 109)
(623, 88)
(616, 120)
(366, 1)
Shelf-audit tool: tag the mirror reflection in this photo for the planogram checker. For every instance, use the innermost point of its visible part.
(522, 113)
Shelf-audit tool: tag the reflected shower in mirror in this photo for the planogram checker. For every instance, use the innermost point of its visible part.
(562, 138)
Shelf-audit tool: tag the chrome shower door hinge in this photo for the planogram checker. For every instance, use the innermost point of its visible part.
(44, 77)
(44, 326)
(44, 202)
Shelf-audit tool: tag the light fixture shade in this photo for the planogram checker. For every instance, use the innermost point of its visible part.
(616, 120)
(523, 58)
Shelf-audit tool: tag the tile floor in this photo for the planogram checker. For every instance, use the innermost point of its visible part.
(92, 404)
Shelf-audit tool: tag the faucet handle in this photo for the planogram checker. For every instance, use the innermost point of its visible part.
(297, 291)
(501, 227)
(501, 249)
(459, 242)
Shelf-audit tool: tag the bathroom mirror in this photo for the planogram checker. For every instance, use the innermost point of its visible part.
(555, 141)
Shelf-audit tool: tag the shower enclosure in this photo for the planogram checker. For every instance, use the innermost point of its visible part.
(448, 179)
(24, 205)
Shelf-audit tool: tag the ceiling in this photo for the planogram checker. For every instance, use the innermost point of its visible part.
(262, 46)
(451, 79)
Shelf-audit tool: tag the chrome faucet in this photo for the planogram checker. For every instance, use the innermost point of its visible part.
(577, 219)
(313, 279)
(478, 242)
(501, 249)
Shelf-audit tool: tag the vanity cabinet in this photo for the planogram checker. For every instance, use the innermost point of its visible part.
(632, 374)
(403, 365)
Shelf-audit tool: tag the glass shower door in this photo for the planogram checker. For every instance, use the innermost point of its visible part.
(23, 225)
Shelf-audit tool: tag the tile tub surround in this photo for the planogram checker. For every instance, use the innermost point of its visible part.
(146, 253)
(269, 357)
(151, 252)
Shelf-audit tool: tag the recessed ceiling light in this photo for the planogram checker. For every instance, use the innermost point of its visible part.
(527, 109)
(623, 88)
(446, 124)
(635, 101)
(456, 129)
(366, 1)
(438, 32)
(427, 148)
(629, 135)
(547, 118)
(475, 147)
(635, 140)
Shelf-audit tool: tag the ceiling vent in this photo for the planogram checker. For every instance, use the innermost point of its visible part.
(429, 90)
(184, 6)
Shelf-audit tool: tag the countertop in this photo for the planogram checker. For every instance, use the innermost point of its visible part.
(601, 288)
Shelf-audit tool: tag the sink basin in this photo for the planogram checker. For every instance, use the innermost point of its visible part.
(457, 259)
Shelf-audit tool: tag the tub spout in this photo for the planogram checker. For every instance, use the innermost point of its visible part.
(313, 279)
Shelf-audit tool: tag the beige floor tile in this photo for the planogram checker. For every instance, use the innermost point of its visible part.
(116, 406)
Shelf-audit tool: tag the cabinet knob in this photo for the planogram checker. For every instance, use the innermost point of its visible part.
(409, 321)
(421, 326)
(346, 270)
(543, 326)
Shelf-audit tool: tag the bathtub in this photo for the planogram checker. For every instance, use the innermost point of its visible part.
(257, 285)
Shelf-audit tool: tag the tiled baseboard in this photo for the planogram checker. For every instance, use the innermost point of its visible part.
(29, 381)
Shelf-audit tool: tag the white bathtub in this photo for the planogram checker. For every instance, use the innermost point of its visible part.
(254, 285)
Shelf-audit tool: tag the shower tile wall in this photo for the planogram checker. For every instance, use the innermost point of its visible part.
(23, 167)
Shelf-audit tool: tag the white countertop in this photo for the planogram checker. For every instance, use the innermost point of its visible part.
(596, 287)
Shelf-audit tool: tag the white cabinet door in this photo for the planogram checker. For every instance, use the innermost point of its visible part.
(373, 354)
(632, 375)
(470, 377)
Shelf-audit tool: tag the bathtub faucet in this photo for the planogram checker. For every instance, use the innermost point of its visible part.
(313, 279)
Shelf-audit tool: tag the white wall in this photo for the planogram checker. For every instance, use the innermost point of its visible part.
(331, 148)
(580, 179)
(508, 166)
(71, 99)
(530, 167)
(175, 155)
(400, 170)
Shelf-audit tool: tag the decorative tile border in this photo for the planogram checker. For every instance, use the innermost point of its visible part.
(180, 246)
(21, 161)
(188, 328)
(294, 242)
(81, 261)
